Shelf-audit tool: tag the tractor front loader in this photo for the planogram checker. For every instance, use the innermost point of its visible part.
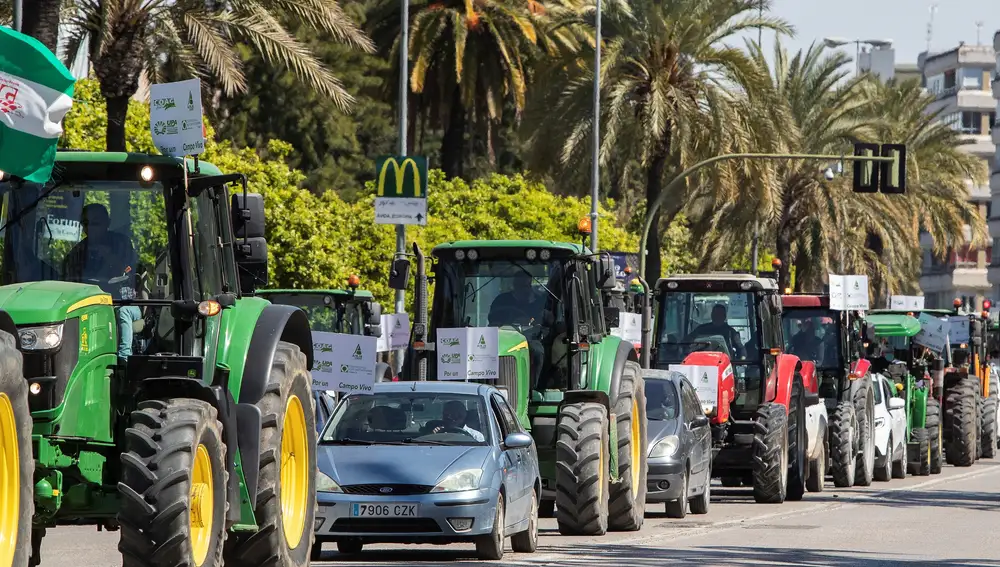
(575, 387)
(142, 388)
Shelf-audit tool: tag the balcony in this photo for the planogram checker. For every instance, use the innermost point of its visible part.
(977, 99)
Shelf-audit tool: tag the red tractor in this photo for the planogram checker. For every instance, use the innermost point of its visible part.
(723, 331)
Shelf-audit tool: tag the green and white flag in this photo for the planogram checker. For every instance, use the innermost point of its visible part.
(36, 92)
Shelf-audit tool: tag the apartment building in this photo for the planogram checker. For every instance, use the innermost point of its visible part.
(961, 79)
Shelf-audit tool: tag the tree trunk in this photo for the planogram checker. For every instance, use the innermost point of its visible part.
(783, 251)
(118, 70)
(654, 186)
(453, 142)
(41, 21)
(114, 133)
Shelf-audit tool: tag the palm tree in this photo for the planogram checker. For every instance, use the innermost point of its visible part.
(469, 58)
(666, 76)
(129, 38)
(41, 21)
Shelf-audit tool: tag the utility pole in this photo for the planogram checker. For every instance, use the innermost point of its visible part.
(18, 14)
(754, 245)
(595, 168)
(404, 92)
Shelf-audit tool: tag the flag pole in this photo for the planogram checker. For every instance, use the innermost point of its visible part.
(18, 11)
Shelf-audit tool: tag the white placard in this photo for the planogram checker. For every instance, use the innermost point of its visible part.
(175, 118)
(345, 363)
(914, 302)
(705, 380)
(401, 210)
(629, 328)
(958, 329)
(933, 332)
(468, 353)
(395, 332)
(848, 293)
(737, 306)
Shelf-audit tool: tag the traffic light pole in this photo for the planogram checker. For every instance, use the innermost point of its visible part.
(676, 182)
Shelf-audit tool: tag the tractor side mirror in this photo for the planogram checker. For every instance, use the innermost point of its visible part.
(612, 317)
(606, 272)
(375, 313)
(251, 262)
(247, 211)
(399, 274)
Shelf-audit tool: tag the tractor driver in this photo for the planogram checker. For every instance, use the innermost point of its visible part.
(805, 344)
(524, 305)
(106, 258)
(720, 326)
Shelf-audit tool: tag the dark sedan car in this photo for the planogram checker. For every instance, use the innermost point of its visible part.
(680, 444)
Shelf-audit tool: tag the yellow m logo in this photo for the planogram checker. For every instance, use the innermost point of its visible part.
(399, 174)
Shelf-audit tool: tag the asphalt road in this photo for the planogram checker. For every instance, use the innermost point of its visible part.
(948, 519)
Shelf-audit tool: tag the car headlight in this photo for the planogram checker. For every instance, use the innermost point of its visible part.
(665, 447)
(326, 484)
(40, 338)
(462, 480)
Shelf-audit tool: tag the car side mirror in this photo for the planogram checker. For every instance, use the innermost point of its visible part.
(399, 274)
(896, 403)
(699, 421)
(251, 261)
(612, 317)
(518, 441)
(247, 212)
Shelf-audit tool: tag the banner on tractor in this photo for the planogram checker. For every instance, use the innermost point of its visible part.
(395, 332)
(914, 302)
(629, 328)
(958, 329)
(175, 118)
(468, 353)
(36, 92)
(848, 293)
(345, 363)
(933, 332)
(705, 380)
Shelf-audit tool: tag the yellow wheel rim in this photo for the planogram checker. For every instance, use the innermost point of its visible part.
(636, 453)
(10, 481)
(294, 472)
(202, 505)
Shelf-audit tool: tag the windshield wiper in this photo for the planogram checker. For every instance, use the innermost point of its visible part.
(346, 442)
(412, 441)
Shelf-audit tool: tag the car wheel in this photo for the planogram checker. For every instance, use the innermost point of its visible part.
(527, 541)
(349, 546)
(678, 508)
(700, 503)
(884, 472)
(490, 546)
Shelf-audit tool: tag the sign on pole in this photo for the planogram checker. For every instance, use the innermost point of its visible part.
(342, 362)
(705, 381)
(933, 332)
(175, 118)
(395, 332)
(401, 190)
(958, 329)
(629, 328)
(914, 302)
(848, 293)
(468, 353)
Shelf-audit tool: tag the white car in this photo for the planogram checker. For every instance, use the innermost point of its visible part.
(817, 454)
(890, 431)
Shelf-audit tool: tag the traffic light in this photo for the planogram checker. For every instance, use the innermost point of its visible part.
(866, 173)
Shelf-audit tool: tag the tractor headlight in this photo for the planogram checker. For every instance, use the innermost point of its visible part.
(665, 447)
(40, 338)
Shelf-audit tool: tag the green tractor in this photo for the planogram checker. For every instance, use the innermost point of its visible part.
(575, 387)
(142, 387)
(909, 366)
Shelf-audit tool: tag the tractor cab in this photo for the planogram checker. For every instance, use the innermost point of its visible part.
(351, 311)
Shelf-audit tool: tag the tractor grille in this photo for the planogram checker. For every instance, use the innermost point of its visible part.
(393, 489)
(508, 376)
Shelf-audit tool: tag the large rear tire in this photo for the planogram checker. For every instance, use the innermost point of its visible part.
(17, 465)
(285, 503)
(173, 486)
(919, 452)
(843, 453)
(988, 421)
(627, 506)
(934, 432)
(864, 405)
(961, 404)
(770, 454)
(798, 442)
(582, 455)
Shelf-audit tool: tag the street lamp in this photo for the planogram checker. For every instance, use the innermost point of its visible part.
(840, 41)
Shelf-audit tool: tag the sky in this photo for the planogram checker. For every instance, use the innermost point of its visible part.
(902, 21)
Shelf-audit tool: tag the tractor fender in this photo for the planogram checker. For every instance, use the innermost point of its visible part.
(625, 353)
(779, 382)
(810, 382)
(860, 376)
(218, 394)
(577, 396)
(276, 323)
(7, 324)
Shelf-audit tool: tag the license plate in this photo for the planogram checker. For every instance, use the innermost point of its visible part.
(389, 510)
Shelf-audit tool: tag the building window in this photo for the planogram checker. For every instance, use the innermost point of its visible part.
(935, 84)
(972, 79)
(995, 254)
(950, 79)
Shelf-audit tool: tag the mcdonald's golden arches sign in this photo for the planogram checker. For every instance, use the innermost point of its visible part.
(401, 190)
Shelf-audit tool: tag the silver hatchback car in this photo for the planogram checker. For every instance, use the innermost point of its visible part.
(427, 462)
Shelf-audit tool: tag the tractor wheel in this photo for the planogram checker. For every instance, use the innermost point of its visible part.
(173, 487)
(627, 506)
(582, 455)
(980, 408)
(817, 470)
(934, 433)
(988, 421)
(843, 453)
(798, 442)
(770, 454)
(961, 404)
(285, 503)
(919, 456)
(17, 465)
(995, 394)
(864, 405)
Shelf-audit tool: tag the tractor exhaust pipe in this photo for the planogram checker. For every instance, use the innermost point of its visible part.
(420, 309)
(647, 325)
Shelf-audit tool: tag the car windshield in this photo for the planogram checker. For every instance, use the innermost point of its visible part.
(708, 321)
(111, 233)
(409, 418)
(813, 334)
(326, 312)
(661, 400)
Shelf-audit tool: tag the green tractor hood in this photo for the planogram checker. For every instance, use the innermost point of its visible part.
(48, 301)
